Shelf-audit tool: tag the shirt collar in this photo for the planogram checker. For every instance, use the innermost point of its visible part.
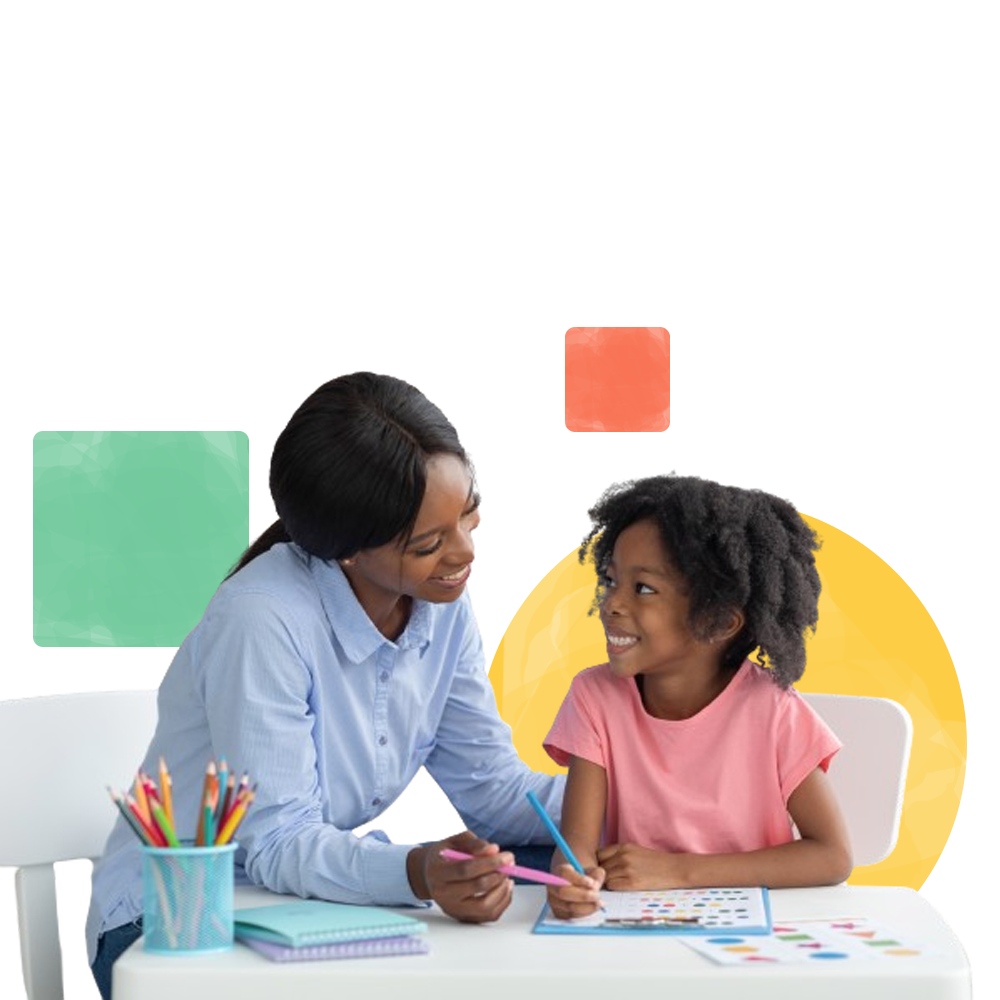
(357, 635)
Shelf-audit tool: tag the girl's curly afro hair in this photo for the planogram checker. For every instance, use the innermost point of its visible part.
(736, 549)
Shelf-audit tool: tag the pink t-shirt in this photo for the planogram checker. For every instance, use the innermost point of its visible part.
(716, 783)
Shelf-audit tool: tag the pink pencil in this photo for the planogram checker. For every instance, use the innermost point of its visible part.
(531, 874)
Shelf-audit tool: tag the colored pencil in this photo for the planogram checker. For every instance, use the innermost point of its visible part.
(208, 824)
(119, 801)
(235, 818)
(227, 799)
(166, 828)
(140, 797)
(210, 775)
(166, 791)
(223, 781)
(554, 831)
(156, 838)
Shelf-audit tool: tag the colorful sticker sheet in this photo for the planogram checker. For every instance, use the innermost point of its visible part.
(821, 942)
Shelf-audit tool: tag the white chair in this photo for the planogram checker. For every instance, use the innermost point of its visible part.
(56, 757)
(869, 774)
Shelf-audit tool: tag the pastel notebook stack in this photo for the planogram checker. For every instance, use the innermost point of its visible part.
(310, 929)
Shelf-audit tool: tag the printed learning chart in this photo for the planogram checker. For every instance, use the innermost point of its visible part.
(673, 911)
(809, 941)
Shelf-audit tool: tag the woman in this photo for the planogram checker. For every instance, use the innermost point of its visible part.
(339, 656)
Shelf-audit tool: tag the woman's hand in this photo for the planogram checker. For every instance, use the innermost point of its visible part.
(471, 891)
(630, 867)
(579, 899)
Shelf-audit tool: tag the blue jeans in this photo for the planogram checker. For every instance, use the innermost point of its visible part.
(112, 943)
(110, 946)
(531, 856)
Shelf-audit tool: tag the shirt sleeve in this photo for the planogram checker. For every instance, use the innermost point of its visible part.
(575, 732)
(474, 759)
(804, 742)
(256, 687)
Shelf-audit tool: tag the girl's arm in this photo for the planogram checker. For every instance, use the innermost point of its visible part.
(821, 857)
(582, 820)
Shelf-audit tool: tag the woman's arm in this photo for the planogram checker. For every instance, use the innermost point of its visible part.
(584, 805)
(821, 857)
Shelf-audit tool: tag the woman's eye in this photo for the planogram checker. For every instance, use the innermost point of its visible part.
(430, 551)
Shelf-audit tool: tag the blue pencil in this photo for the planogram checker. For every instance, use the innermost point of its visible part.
(554, 830)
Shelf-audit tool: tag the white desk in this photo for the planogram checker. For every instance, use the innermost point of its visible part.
(505, 961)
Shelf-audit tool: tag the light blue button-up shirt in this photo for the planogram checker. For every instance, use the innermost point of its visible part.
(287, 678)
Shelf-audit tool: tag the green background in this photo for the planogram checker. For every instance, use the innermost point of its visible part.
(135, 458)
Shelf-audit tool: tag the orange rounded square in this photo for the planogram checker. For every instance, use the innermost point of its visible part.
(617, 378)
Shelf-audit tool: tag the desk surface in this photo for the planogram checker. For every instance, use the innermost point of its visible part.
(505, 960)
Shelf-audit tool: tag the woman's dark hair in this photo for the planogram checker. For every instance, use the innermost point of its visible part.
(736, 549)
(349, 470)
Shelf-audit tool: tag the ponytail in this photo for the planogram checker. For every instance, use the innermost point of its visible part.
(276, 533)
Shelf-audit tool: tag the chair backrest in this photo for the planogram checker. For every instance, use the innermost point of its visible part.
(57, 755)
(869, 773)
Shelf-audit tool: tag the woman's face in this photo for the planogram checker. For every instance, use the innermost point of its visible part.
(435, 562)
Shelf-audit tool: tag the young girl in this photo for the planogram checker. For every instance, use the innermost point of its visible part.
(687, 761)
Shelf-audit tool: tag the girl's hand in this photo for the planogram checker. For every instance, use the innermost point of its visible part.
(471, 891)
(631, 867)
(579, 899)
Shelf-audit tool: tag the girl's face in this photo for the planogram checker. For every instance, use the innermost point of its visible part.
(645, 609)
(435, 563)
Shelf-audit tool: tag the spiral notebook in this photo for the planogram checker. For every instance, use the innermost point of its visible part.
(307, 922)
(411, 944)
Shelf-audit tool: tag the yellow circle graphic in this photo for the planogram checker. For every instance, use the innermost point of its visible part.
(874, 638)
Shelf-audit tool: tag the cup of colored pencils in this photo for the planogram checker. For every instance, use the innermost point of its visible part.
(187, 884)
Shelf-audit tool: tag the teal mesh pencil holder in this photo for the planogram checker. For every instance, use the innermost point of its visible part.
(187, 899)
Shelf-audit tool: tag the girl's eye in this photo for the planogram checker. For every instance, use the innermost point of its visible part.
(607, 583)
(644, 588)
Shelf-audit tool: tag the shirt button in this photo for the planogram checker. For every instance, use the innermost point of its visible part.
(384, 676)
(382, 740)
(376, 802)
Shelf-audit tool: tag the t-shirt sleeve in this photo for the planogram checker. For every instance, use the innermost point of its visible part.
(805, 742)
(576, 731)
